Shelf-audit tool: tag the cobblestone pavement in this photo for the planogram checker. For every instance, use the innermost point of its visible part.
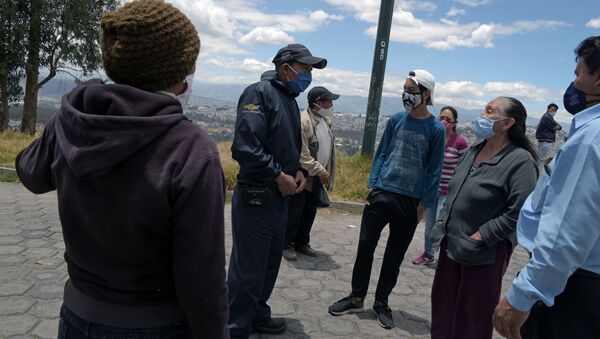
(33, 271)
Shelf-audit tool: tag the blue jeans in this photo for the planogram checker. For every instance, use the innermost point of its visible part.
(432, 239)
(70, 326)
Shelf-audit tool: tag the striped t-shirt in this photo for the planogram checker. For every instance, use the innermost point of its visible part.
(455, 148)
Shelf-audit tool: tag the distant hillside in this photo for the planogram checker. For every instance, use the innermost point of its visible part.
(228, 95)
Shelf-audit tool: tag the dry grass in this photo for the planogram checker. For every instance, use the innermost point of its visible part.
(230, 166)
(351, 174)
(11, 143)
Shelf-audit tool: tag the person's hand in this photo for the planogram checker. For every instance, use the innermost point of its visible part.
(285, 184)
(369, 190)
(557, 128)
(300, 181)
(476, 236)
(420, 212)
(324, 177)
(508, 320)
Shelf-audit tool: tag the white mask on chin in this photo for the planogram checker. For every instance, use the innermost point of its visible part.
(184, 97)
(325, 112)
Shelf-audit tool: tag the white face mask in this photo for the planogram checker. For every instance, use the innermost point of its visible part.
(552, 114)
(184, 97)
(325, 112)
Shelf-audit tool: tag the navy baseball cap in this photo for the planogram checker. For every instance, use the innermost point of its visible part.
(298, 52)
(318, 93)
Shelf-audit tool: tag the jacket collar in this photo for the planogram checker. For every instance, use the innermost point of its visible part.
(273, 77)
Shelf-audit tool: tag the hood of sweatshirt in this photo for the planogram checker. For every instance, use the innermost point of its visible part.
(100, 125)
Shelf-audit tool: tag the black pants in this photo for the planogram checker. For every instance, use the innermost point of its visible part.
(258, 236)
(575, 313)
(302, 213)
(400, 212)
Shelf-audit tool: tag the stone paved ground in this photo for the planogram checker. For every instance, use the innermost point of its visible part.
(32, 274)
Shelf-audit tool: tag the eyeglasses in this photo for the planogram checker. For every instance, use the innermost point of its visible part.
(445, 118)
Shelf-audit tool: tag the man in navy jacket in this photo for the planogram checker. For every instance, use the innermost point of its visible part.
(267, 146)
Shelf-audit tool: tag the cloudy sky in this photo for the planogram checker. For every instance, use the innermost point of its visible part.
(476, 49)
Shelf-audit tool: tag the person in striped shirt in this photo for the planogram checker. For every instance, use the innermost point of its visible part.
(456, 146)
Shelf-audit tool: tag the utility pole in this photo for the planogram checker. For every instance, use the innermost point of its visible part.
(386, 12)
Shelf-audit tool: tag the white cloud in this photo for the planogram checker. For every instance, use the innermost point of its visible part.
(593, 23)
(415, 5)
(227, 27)
(464, 94)
(266, 35)
(456, 12)
(474, 3)
(249, 65)
(444, 34)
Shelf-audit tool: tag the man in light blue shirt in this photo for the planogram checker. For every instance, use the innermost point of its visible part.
(558, 291)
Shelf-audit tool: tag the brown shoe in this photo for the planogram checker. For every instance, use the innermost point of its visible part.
(290, 254)
(307, 250)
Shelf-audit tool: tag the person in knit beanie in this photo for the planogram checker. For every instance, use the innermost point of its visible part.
(140, 188)
(148, 44)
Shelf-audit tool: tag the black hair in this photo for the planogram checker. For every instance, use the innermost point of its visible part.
(552, 105)
(589, 50)
(454, 114)
(513, 108)
(423, 89)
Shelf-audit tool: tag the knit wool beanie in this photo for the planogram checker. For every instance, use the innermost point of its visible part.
(148, 44)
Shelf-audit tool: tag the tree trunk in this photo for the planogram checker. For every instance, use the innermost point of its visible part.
(31, 70)
(28, 123)
(4, 114)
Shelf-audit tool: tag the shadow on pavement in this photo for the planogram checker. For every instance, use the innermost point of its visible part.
(323, 262)
(295, 330)
(403, 320)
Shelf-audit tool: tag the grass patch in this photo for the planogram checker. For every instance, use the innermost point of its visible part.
(352, 174)
(11, 143)
(230, 166)
(8, 177)
(351, 177)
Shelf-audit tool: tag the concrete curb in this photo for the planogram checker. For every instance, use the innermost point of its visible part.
(347, 206)
(6, 170)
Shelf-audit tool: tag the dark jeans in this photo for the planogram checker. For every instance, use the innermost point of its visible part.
(400, 212)
(70, 326)
(463, 297)
(302, 213)
(258, 237)
(575, 313)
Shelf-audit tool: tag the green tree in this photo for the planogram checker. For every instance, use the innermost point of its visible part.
(62, 36)
(12, 32)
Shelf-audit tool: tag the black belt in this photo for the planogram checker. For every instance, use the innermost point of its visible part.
(123, 316)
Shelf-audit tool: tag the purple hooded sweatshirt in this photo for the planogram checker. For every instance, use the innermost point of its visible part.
(141, 201)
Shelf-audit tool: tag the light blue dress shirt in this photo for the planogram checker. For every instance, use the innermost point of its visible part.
(559, 223)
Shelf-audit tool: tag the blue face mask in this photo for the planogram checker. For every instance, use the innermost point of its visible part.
(301, 83)
(574, 99)
(484, 127)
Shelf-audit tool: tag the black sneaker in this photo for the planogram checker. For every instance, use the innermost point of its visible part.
(346, 305)
(384, 315)
(274, 326)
